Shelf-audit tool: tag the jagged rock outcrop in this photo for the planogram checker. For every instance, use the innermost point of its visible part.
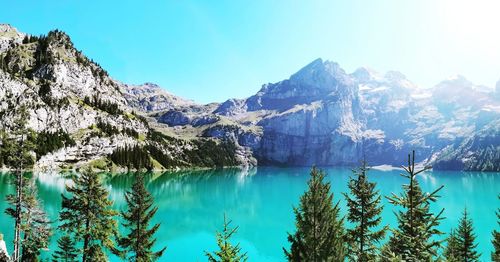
(150, 97)
(320, 115)
(68, 94)
(324, 116)
(479, 152)
(9, 36)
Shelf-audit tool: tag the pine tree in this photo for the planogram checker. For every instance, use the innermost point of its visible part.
(451, 251)
(139, 241)
(17, 153)
(67, 251)
(36, 224)
(466, 240)
(364, 213)
(227, 252)
(495, 255)
(414, 239)
(89, 216)
(320, 233)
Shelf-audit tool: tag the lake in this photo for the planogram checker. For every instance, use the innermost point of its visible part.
(192, 205)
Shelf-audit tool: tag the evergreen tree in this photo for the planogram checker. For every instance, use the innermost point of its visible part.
(132, 157)
(364, 213)
(67, 251)
(466, 240)
(320, 233)
(451, 251)
(227, 252)
(17, 153)
(495, 255)
(140, 241)
(89, 216)
(414, 239)
(35, 225)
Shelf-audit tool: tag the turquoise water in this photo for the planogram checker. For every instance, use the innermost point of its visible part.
(192, 205)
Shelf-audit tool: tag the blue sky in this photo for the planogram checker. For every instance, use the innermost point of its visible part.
(213, 50)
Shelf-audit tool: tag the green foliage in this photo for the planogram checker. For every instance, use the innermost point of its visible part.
(44, 90)
(495, 255)
(45, 93)
(414, 239)
(111, 130)
(106, 106)
(140, 239)
(89, 216)
(17, 145)
(461, 243)
(130, 132)
(106, 128)
(200, 153)
(227, 252)
(67, 251)
(34, 223)
(320, 233)
(132, 157)
(16, 152)
(141, 118)
(364, 214)
(452, 246)
(47, 142)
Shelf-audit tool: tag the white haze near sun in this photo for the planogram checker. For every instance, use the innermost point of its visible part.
(473, 26)
(467, 34)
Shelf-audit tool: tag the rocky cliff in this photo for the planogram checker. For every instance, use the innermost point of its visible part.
(79, 116)
(321, 115)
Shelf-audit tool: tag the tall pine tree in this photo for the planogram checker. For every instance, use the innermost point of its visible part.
(495, 255)
(451, 253)
(364, 214)
(67, 251)
(89, 216)
(36, 224)
(227, 252)
(17, 153)
(466, 240)
(320, 232)
(35, 229)
(414, 239)
(140, 240)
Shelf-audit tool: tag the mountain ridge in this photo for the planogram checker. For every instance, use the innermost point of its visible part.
(321, 115)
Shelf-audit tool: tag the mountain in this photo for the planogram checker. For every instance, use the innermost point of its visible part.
(321, 115)
(79, 116)
(324, 116)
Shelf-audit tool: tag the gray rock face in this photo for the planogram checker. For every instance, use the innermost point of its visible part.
(61, 107)
(481, 151)
(150, 97)
(323, 116)
(9, 36)
(320, 115)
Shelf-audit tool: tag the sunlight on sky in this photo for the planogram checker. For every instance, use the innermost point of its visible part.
(473, 25)
(213, 50)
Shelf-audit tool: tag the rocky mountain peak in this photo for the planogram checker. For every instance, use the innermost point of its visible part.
(9, 35)
(457, 80)
(321, 74)
(7, 28)
(151, 85)
(366, 74)
(395, 76)
(152, 97)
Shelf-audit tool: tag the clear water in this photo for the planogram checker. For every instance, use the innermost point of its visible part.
(192, 205)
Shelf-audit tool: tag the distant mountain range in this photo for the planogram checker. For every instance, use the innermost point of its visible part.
(320, 115)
